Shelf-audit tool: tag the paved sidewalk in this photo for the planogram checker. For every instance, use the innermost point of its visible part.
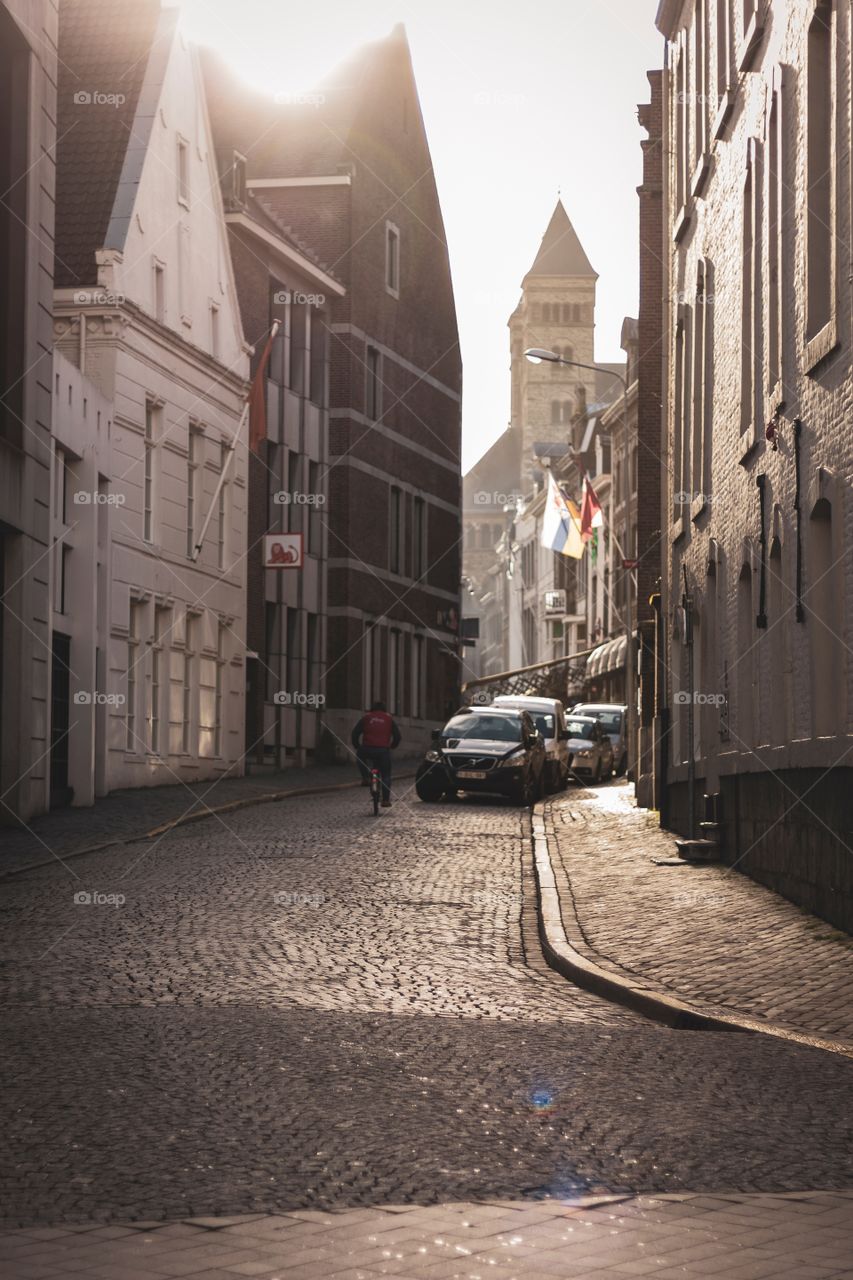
(125, 815)
(802, 1236)
(706, 934)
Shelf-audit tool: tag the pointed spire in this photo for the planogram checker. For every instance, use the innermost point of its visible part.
(561, 252)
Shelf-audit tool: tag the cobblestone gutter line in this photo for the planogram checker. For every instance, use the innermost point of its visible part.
(567, 952)
(208, 811)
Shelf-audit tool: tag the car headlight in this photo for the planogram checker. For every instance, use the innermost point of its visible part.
(513, 761)
(434, 757)
(583, 755)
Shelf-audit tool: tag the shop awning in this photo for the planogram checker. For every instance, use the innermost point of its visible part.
(609, 656)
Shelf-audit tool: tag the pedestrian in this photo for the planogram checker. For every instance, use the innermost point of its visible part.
(374, 738)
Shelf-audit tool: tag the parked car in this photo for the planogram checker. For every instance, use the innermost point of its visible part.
(548, 714)
(590, 749)
(614, 720)
(498, 751)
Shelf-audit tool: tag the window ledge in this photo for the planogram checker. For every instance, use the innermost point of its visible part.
(819, 347)
(775, 400)
(748, 46)
(723, 116)
(699, 504)
(676, 529)
(700, 176)
(748, 441)
(681, 224)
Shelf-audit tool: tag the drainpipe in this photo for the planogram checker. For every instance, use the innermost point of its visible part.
(687, 602)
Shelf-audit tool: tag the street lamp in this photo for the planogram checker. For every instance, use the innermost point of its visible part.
(538, 355)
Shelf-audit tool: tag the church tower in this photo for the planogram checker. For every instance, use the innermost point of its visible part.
(556, 311)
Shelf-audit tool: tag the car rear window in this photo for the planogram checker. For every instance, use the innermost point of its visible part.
(580, 728)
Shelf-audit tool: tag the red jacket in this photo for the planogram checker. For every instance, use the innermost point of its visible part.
(376, 729)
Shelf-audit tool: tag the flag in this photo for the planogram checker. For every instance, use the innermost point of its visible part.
(560, 529)
(257, 396)
(592, 516)
(575, 544)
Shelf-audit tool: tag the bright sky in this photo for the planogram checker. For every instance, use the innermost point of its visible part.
(519, 99)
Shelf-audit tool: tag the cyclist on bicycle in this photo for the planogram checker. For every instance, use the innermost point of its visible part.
(374, 737)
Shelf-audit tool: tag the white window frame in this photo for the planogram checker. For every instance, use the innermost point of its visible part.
(392, 259)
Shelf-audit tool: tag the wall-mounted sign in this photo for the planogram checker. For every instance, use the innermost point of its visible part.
(555, 602)
(283, 551)
(447, 618)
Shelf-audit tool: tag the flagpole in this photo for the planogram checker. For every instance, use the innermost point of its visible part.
(226, 461)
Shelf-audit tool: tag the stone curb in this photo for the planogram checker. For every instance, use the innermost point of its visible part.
(267, 797)
(659, 1006)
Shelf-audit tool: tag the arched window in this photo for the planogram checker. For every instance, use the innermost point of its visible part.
(709, 676)
(567, 313)
(556, 414)
(823, 599)
(745, 725)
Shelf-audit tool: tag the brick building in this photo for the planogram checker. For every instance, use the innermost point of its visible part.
(347, 171)
(27, 181)
(757, 513)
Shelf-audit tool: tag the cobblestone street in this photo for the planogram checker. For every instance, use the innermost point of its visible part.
(299, 1006)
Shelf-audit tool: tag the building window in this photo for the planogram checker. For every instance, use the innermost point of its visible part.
(149, 470)
(298, 361)
(700, 82)
(187, 682)
(776, 194)
(314, 655)
(395, 672)
(682, 404)
(373, 388)
(183, 172)
(745, 672)
(295, 507)
(134, 657)
(723, 51)
(319, 338)
(418, 676)
(395, 530)
(184, 273)
(293, 654)
(392, 259)
(703, 387)
(820, 151)
(680, 117)
(315, 516)
(824, 601)
(218, 730)
(223, 509)
(751, 290)
(238, 179)
(159, 677)
(159, 275)
(419, 538)
(214, 330)
(195, 446)
(272, 649)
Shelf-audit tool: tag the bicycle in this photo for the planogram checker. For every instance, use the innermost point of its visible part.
(375, 788)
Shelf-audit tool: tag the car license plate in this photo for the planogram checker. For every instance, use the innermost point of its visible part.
(471, 773)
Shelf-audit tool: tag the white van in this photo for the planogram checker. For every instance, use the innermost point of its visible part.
(549, 716)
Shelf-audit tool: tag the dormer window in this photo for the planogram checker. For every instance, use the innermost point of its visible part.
(238, 179)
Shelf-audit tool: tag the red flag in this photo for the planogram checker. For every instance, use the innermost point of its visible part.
(592, 517)
(257, 396)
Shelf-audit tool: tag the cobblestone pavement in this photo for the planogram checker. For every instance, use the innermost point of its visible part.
(803, 1237)
(123, 815)
(307, 1008)
(705, 933)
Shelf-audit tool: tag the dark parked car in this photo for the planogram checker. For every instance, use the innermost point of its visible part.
(499, 752)
(590, 749)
